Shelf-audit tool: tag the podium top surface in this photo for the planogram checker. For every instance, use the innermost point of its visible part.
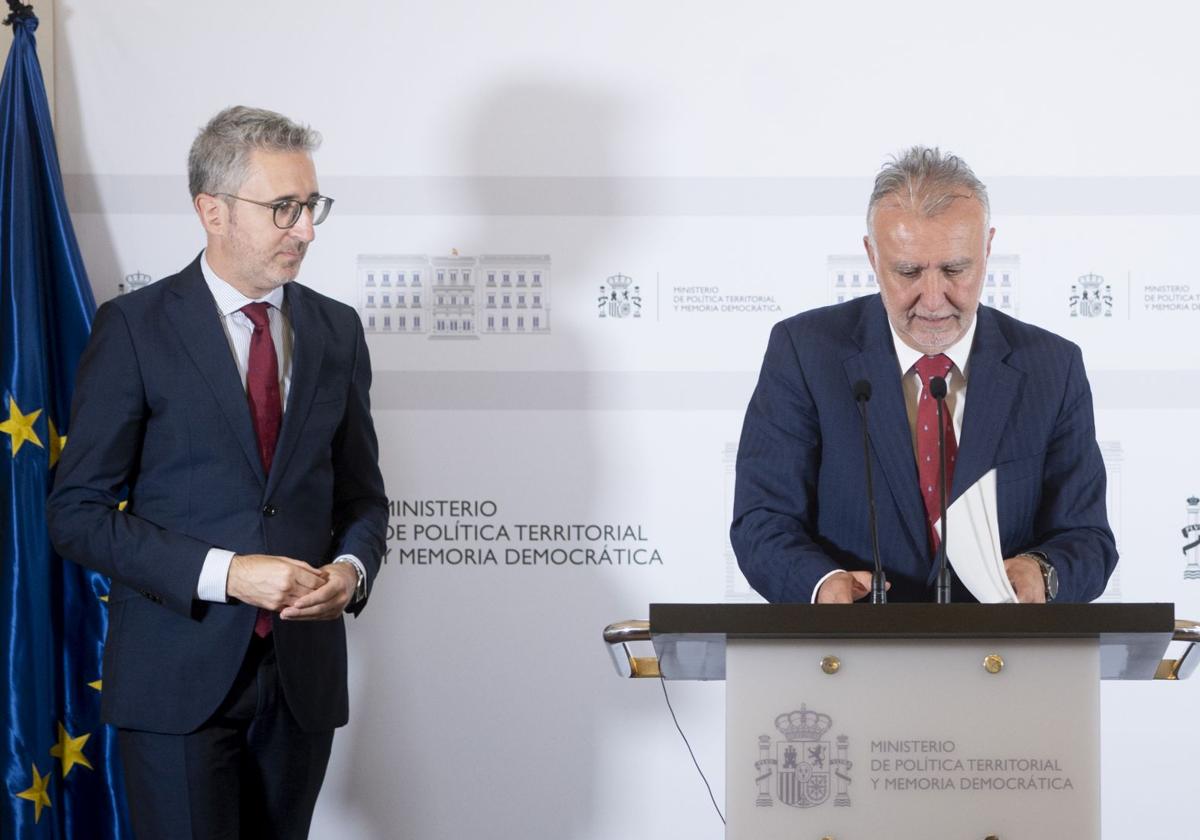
(690, 639)
(949, 621)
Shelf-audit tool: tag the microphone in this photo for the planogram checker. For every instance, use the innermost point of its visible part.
(937, 390)
(862, 395)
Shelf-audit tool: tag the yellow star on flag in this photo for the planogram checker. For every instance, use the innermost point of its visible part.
(56, 443)
(19, 427)
(69, 750)
(98, 685)
(37, 793)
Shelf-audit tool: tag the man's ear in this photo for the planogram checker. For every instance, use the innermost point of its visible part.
(213, 213)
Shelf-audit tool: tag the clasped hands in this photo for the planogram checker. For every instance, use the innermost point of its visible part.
(1023, 572)
(292, 588)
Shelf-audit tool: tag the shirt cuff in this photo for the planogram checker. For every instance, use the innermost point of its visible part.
(361, 591)
(214, 576)
(817, 588)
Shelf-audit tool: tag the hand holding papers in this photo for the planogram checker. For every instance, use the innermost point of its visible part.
(973, 544)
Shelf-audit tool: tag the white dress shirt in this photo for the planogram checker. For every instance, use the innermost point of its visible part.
(238, 330)
(956, 392)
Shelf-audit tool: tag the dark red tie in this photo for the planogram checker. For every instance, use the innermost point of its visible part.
(266, 408)
(928, 466)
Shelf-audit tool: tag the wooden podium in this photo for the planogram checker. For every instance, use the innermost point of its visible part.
(909, 721)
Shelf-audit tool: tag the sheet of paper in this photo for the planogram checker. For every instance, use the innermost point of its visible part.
(973, 543)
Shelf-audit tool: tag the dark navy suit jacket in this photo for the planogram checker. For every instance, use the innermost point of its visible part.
(800, 507)
(160, 413)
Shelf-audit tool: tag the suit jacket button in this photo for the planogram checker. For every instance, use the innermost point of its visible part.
(269, 510)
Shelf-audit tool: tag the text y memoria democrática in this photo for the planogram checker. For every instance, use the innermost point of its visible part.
(903, 783)
(528, 557)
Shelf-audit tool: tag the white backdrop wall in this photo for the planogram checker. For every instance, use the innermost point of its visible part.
(709, 164)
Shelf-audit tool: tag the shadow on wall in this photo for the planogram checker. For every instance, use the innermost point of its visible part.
(480, 692)
(95, 239)
(536, 128)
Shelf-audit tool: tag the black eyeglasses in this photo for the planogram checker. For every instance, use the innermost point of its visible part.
(286, 212)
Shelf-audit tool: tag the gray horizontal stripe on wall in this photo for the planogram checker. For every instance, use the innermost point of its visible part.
(690, 390)
(561, 390)
(651, 196)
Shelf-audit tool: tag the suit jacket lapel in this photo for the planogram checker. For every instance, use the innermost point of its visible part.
(193, 312)
(308, 350)
(992, 391)
(887, 418)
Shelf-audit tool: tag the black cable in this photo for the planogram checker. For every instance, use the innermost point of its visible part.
(689, 749)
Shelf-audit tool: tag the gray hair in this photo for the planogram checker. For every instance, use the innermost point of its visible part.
(927, 180)
(220, 156)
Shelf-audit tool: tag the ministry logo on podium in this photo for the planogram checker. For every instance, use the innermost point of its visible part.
(619, 298)
(804, 762)
(1191, 532)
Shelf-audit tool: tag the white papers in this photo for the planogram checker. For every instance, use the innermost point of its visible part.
(973, 543)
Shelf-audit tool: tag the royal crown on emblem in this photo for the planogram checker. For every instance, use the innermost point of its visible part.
(620, 281)
(137, 280)
(803, 725)
(1193, 501)
(1091, 282)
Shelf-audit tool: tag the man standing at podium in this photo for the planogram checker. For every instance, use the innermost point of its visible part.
(1017, 401)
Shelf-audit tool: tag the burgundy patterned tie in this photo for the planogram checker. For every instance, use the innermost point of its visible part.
(928, 466)
(266, 408)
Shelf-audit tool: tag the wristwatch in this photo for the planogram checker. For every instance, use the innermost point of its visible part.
(1049, 574)
(360, 589)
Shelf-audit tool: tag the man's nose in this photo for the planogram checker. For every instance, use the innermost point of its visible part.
(304, 229)
(933, 290)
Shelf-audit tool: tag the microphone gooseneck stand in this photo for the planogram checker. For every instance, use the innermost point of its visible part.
(937, 390)
(862, 395)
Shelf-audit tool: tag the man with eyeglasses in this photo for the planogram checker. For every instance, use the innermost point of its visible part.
(223, 471)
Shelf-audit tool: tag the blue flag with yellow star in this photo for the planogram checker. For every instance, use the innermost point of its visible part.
(61, 774)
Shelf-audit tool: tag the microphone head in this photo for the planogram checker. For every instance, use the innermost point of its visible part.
(937, 388)
(862, 390)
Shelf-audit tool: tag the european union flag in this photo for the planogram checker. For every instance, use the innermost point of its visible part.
(61, 774)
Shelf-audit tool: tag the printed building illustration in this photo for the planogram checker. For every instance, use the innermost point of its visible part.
(393, 293)
(515, 293)
(454, 297)
(1000, 283)
(851, 276)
